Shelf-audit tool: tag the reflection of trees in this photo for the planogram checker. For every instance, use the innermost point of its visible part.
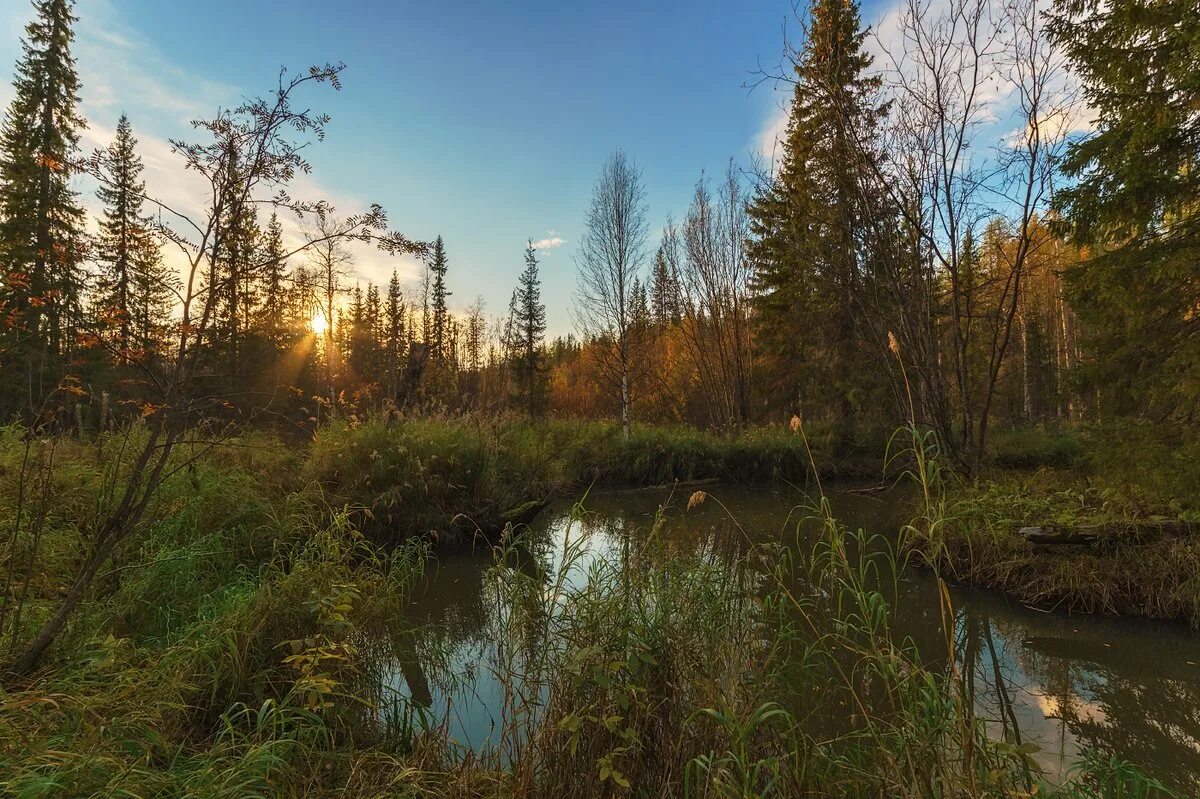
(1113, 686)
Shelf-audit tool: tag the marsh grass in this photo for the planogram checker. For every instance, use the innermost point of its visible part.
(1122, 475)
(240, 644)
(410, 475)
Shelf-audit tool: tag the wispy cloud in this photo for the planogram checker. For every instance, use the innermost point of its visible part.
(770, 138)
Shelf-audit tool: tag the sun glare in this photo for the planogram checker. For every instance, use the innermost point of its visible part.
(319, 323)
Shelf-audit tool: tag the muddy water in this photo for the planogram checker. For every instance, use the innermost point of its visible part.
(1120, 687)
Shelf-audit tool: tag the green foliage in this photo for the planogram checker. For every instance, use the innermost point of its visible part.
(447, 478)
(237, 649)
(41, 221)
(1135, 199)
(811, 271)
(1105, 477)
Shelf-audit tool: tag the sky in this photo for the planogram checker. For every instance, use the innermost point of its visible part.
(483, 122)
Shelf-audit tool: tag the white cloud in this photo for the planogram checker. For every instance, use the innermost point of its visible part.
(770, 138)
(551, 241)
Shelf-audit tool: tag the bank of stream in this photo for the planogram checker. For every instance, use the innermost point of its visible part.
(1057, 684)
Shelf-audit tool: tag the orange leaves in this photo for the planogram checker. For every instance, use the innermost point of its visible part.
(53, 164)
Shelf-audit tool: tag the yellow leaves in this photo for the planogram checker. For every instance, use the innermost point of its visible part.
(71, 385)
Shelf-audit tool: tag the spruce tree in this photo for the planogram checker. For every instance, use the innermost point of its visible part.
(132, 290)
(237, 278)
(374, 329)
(1135, 199)
(438, 330)
(529, 331)
(395, 333)
(664, 291)
(41, 221)
(809, 267)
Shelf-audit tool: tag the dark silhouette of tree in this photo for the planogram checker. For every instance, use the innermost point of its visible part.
(439, 315)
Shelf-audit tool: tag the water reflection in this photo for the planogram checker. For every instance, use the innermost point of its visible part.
(1128, 688)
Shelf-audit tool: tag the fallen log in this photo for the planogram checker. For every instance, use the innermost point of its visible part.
(1133, 532)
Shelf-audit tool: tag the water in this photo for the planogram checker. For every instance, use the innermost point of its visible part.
(1123, 687)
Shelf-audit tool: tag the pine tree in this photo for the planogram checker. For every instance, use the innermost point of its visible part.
(132, 291)
(233, 277)
(639, 305)
(529, 331)
(438, 329)
(41, 221)
(355, 345)
(809, 268)
(374, 333)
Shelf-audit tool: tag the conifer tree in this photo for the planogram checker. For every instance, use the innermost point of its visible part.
(41, 221)
(236, 279)
(1136, 198)
(664, 291)
(132, 290)
(438, 328)
(529, 323)
(809, 266)
(272, 312)
(374, 331)
(394, 324)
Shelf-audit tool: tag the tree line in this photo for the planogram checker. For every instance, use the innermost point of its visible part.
(892, 262)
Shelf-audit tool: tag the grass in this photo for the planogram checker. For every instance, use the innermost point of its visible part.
(411, 476)
(235, 647)
(1119, 475)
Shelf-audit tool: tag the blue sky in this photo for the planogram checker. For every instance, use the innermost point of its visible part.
(483, 122)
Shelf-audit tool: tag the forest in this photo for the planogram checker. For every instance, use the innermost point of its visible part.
(754, 527)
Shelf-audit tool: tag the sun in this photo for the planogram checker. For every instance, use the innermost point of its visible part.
(318, 323)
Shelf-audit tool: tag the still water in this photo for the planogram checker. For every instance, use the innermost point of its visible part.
(1123, 687)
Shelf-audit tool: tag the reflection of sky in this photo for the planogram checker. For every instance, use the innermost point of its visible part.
(1128, 688)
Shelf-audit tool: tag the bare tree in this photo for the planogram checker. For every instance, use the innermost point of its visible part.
(329, 257)
(611, 254)
(933, 183)
(714, 279)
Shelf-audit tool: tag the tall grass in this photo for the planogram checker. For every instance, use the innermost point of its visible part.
(238, 648)
(412, 476)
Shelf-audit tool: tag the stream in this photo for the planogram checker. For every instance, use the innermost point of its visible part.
(1119, 687)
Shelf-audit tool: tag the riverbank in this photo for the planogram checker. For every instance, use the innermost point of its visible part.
(412, 477)
(240, 645)
(1115, 485)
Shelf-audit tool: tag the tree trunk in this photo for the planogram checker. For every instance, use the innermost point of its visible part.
(624, 397)
(45, 637)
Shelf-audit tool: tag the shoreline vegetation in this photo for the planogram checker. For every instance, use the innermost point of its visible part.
(232, 650)
(1117, 483)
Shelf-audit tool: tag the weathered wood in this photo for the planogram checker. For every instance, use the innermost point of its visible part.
(1132, 531)
(523, 513)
